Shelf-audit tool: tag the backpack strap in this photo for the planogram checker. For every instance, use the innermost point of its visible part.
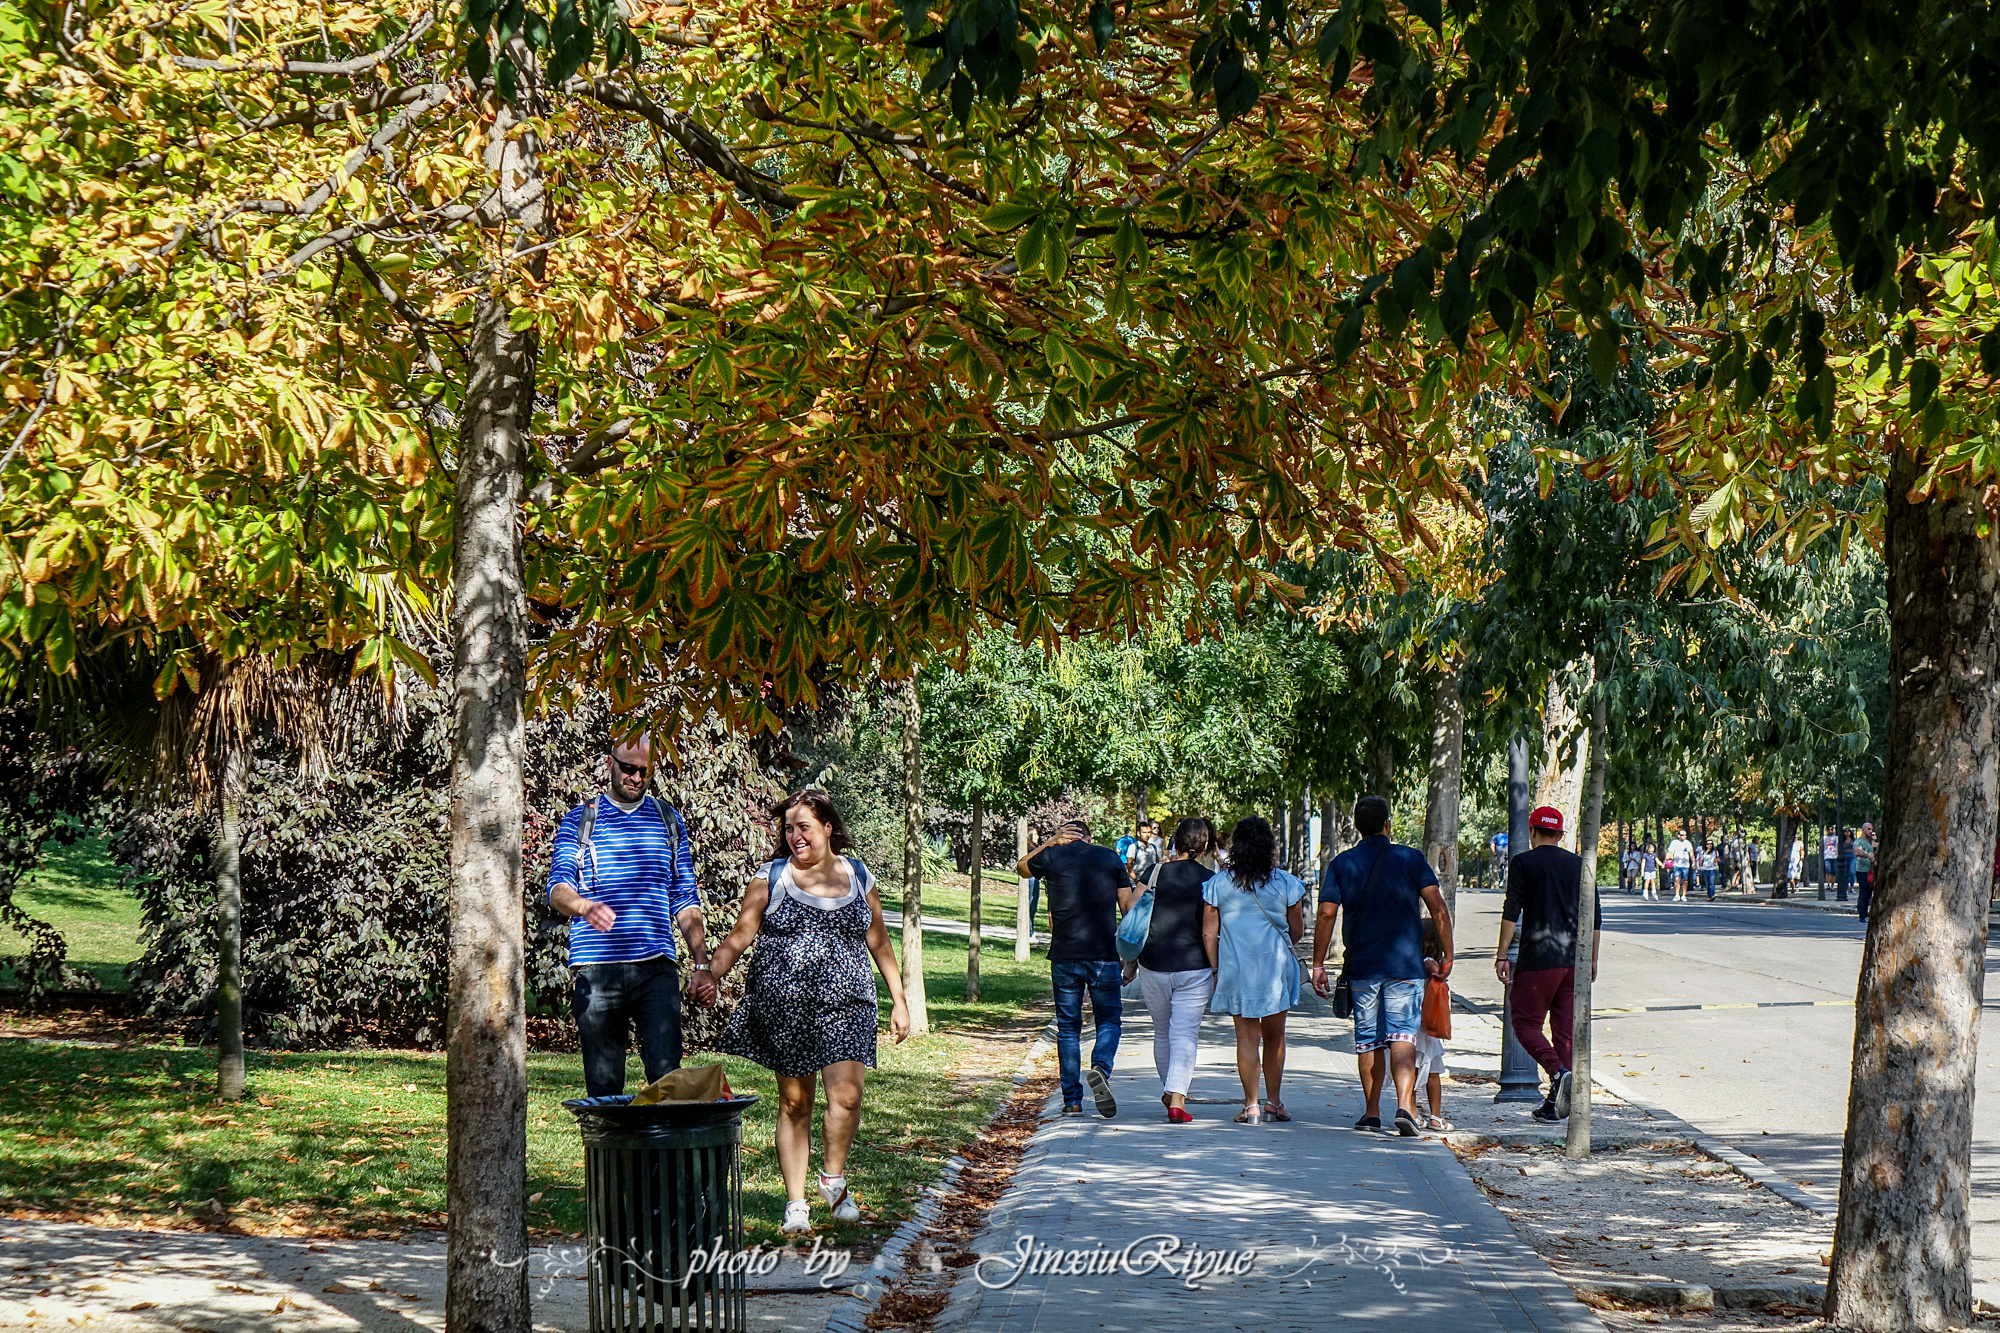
(583, 852)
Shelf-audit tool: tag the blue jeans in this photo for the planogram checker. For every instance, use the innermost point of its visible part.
(1708, 883)
(1034, 901)
(1386, 1011)
(1107, 1011)
(611, 998)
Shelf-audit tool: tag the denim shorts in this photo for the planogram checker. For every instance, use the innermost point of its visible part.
(1386, 1011)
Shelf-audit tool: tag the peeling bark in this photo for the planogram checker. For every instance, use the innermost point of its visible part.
(1902, 1244)
(486, 1047)
(229, 930)
(1441, 795)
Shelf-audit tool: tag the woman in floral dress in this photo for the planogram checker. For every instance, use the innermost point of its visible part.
(810, 1014)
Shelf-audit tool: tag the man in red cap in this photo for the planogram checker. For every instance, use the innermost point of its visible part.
(1542, 885)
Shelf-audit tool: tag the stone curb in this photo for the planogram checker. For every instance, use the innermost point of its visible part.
(1696, 1296)
(852, 1315)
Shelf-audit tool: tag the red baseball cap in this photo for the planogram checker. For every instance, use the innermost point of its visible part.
(1546, 817)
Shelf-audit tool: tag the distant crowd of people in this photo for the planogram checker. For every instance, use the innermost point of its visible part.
(1847, 864)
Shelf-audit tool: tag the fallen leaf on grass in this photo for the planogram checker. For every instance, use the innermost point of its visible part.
(142, 1305)
(337, 1289)
(284, 1303)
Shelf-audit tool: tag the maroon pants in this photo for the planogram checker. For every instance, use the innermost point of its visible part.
(1547, 994)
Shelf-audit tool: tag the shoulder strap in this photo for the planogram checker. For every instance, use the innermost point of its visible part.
(1284, 931)
(583, 852)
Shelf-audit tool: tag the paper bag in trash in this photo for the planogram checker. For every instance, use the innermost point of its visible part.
(689, 1083)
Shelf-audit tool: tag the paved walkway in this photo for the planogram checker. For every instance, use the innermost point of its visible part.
(1347, 1229)
(57, 1276)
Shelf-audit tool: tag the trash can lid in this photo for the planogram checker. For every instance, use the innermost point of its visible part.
(618, 1113)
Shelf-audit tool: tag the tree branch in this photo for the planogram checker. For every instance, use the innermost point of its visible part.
(585, 461)
(696, 139)
(433, 95)
(334, 68)
(336, 113)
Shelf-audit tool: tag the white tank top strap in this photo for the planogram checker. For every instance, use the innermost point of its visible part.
(784, 886)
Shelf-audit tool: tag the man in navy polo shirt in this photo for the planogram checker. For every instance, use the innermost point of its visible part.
(1385, 888)
(622, 867)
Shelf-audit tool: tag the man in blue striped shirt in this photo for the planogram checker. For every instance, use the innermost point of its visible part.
(628, 884)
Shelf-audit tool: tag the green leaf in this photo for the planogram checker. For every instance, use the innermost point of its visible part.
(1430, 11)
(1924, 378)
(1009, 214)
(1127, 244)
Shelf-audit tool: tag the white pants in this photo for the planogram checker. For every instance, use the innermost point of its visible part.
(1176, 1000)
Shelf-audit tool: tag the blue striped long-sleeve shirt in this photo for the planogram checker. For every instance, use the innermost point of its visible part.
(640, 866)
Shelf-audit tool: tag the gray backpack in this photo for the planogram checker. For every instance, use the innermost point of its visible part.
(670, 820)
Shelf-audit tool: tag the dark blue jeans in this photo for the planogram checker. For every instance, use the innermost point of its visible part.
(1107, 1012)
(610, 999)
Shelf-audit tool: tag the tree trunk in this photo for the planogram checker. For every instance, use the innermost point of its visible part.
(1024, 924)
(1385, 771)
(1330, 844)
(1578, 1144)
(486, 1060)
(1441, 792)
(913, 860)
(978, 864)
(1902, 1244)
(229, 929)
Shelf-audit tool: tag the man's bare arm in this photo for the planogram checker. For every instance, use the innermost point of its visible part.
(565, 899)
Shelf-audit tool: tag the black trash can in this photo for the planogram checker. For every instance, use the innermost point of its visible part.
(663, 1194)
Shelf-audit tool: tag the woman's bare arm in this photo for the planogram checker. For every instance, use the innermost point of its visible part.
(749, 920)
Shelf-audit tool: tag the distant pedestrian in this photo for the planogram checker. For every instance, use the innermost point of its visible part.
(1649, 873)
(1430, 1050)
(1829, 857)
(1795, 876)
(1705, 865)
(1628, 871)
(1145, 853)
(1385, 888)
(1845, 861)
(1542, 889)
(1252, 921)
(1212, 855)
(1176, 975)
(1750, 864)
(622, 867)
(1082, 880)
(1864, 869)
(809, 1014)
(1680, 865)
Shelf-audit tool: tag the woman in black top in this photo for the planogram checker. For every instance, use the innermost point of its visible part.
(1174, 974)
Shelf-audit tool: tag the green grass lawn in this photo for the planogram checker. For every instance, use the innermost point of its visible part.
(354, 1141)
(951, 898)
(77, 890)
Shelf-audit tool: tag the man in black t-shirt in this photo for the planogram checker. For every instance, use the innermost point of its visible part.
(1082, 881)
(1542, 885)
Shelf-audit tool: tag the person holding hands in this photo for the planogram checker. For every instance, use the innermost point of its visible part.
(810, 1013)
(622, 868)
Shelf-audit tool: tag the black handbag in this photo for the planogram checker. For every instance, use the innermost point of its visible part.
(1343, 989)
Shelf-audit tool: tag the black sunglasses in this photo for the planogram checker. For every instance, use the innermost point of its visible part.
(631, 770)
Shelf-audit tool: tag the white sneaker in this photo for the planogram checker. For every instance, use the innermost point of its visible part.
(834, 1190)
(798, 1219)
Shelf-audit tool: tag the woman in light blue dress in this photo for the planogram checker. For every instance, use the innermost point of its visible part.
(1252, 919)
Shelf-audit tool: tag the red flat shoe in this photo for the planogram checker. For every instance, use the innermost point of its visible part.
(1178, 1116)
